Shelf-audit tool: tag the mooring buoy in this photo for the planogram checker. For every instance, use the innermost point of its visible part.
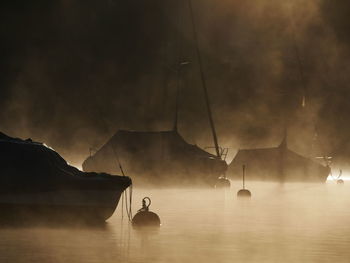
(222, 182)
(244, 192)
(144, 217)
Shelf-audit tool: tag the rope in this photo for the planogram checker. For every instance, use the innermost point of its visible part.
(118, 161)
(145, 206)
(128, 203)
(203, 80)
(122, 205)
(125, 193)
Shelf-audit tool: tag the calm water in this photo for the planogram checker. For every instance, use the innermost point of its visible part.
(290, 223)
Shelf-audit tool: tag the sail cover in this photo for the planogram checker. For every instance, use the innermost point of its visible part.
(156, 157)
(276, 164)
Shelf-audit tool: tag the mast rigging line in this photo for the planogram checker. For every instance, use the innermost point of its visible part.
(304, 86)
(128, 203)
(299, 61)
(178, 68)
(127, 208)
(300, 68)
(203, 80)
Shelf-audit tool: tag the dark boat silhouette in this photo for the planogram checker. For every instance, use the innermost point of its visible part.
(278, 164)
(164, 157)
(37, 183)
(157, 158)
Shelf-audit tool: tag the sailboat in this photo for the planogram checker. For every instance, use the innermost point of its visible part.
(156, 158)
(278, 164)
(162, 157)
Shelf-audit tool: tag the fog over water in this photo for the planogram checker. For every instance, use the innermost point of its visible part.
(281, 223)
(73, 72)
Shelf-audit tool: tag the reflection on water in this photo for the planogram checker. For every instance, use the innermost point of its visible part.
(281, 223)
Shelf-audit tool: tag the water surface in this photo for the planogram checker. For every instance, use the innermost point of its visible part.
(281, 223)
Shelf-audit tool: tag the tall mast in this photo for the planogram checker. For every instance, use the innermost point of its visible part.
(203, 81)
(177, 99)
(178, 86)
(178, 67)
(301, 71)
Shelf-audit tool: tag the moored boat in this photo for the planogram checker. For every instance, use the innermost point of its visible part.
(37, 183)
(157, 158)
(277, 164)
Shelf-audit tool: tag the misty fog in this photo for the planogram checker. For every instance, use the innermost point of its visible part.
(74, 72)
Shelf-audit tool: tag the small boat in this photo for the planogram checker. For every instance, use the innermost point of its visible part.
(164, 157)
(157, 158)
(37, 183)
(278, 164)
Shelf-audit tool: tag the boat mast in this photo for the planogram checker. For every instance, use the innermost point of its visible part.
(203, 82)
(177, 100)
(178, 86)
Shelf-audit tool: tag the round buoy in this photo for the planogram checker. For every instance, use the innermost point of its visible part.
(340, 181)
(144, 217)
(222, 182)
(244, 193)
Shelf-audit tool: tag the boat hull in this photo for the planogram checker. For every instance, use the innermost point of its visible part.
(36, 183)
(59, 206)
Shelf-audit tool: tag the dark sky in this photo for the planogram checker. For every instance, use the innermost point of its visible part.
(75, 71)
